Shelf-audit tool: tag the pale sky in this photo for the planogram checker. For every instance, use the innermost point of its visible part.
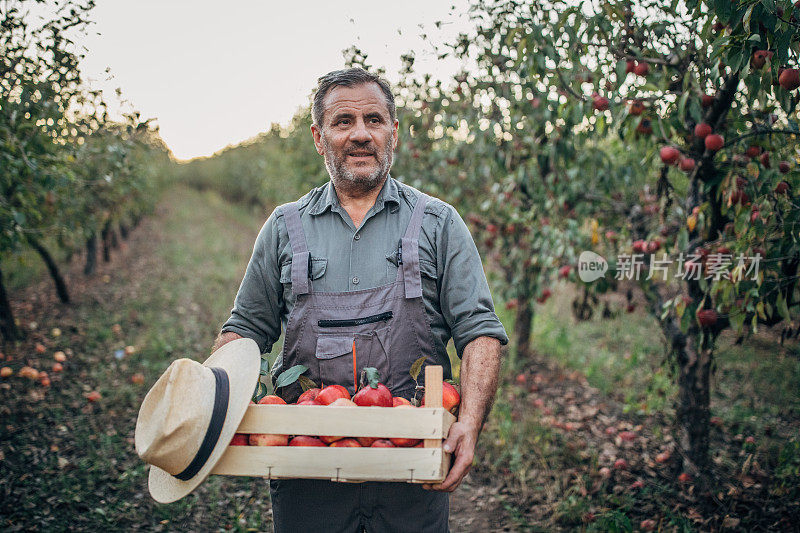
(215, 74)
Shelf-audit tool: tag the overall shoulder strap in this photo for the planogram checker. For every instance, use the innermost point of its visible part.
(301, 258)
(409, 249)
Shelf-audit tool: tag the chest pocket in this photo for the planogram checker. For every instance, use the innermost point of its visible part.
(318, 267)
(426, 268)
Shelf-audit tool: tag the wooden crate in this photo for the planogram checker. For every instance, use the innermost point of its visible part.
(414, 465)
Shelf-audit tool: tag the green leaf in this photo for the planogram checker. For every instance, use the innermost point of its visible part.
(306, 383)
(682, 105)
(746, 19)
(370, 376)
(260, 392)
(783, 309)
(290, 375)
(416, 367)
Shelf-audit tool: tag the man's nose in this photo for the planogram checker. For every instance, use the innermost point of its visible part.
(359, 132)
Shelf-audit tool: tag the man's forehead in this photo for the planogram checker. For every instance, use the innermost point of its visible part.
(365, 97)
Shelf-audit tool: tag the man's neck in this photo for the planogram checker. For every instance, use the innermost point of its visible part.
(358, 203)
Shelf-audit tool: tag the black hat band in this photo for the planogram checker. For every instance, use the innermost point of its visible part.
(221, 394)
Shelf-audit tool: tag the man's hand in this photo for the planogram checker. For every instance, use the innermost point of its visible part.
(225, 338)
(479, 370)
(461, 443)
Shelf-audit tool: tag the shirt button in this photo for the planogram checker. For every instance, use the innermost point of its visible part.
(355, 280)
(358, 236)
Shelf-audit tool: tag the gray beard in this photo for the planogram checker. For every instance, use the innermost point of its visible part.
(346, 181)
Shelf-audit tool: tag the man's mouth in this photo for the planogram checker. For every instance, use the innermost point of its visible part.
(361, 154)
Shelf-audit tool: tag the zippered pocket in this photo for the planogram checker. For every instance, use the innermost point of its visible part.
(351, 322)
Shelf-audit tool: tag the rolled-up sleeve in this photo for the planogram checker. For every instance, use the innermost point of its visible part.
(256, 309)
(466, 302)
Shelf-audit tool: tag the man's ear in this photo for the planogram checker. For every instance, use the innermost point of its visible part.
(395, 136)
(316, 133)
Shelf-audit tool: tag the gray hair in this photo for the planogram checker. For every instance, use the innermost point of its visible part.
(350, 77)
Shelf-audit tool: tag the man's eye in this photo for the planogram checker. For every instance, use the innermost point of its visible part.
(375, 120)
(343, 121)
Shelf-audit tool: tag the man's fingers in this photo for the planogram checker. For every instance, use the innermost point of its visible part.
(452, 439)
(457, 473)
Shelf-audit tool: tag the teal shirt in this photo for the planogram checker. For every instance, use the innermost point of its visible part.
(454, 288)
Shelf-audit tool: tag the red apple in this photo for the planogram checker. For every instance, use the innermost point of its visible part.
(372, 392)
(381, 443)
(760, 57)
(782, 187)
(753, 151)
(630, 66)
(789, 79)
(331, 393)
(271, 399)
(636, 108)
(714, 142)
(345, 443)
(669, 155)
(329, 439)
(240, 439)
(309, 402)
(450, 397)
(706, 100)
(702, 130)
(343, 402)
(685, 477)
(765, 159)
(310, 394)
(687, 164)
(707, 317)
(641, 69)
(306, 440)
(784, 167)
(397, 401)
(366, 442)
(620, 464)
(600, 103)
(268, 439)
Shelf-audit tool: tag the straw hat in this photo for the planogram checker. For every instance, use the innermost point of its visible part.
(190, 415)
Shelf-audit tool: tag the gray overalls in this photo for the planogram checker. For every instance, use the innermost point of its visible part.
(390, 330)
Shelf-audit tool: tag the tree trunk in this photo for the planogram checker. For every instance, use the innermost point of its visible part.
(114, 238)
(523, 326)
(123, 231)
(91, 255)
(105, 236)
(693, 418)
(7, 326)
(52, 267)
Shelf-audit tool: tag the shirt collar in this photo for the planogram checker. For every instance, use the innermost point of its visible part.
(328, 199)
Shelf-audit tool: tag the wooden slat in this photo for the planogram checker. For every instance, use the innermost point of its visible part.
(419, 423)
(416, 465)
(433, 397)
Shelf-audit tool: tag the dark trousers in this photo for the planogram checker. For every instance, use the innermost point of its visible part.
(304, 505)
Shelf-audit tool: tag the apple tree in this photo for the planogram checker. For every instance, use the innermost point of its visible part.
(704, 94)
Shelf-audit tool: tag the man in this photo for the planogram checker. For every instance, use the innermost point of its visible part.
(368, 260)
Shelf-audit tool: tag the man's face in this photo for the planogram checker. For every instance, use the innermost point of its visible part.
(357, 137)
